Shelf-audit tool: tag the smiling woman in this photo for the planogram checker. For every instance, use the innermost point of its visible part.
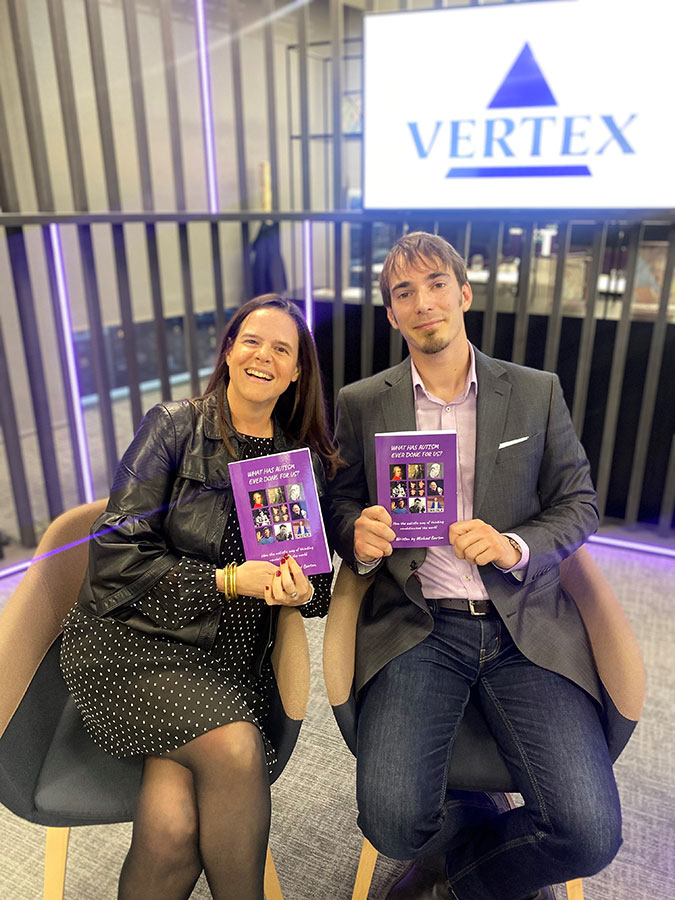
(166, 653)
(267, 364)
(262, 361)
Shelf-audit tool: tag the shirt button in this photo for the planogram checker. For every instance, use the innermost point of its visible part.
(467, 577)
(447, 409)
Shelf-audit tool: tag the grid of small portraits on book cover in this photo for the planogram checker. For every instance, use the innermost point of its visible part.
(416, 488)
(279, 513)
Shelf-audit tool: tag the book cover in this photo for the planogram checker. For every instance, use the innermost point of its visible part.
(278, 509)
(417, 484)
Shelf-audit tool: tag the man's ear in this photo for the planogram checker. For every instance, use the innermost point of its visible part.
(296, 374)
(467, 296)
(392, 318)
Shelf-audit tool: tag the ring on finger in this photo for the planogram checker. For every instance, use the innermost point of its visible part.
(293, 595)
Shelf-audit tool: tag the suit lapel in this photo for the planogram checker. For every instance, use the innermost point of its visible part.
(397, 399)
(492, 405)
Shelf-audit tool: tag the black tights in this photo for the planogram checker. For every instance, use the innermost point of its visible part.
(205, 805)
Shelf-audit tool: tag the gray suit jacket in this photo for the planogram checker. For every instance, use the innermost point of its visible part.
(540, 488)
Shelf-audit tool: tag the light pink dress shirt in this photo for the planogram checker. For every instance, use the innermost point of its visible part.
(442, 574)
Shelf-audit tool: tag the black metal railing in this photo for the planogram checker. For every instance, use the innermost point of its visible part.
(149, 292)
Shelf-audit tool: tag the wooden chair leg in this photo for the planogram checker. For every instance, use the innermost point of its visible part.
(56, 855)
(272, 886)
(364, 873)
(575, 889)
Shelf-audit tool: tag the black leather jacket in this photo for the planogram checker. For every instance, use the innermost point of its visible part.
(171, 497)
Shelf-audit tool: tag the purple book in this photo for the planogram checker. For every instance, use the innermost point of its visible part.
(278, 510)
(417, 484)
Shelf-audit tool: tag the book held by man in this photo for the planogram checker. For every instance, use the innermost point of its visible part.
(417, 484)
(278, 510)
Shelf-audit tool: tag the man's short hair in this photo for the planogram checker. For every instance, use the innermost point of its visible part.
(415, 249)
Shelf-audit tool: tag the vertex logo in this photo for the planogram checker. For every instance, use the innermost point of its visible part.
(540, 143)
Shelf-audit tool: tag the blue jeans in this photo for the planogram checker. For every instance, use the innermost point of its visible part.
(549, 733)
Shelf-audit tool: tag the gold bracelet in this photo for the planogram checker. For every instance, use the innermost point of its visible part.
(230, 581)
(233, 580)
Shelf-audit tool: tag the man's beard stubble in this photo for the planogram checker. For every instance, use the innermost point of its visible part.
(434, 344)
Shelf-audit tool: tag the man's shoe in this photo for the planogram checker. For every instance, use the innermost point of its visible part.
(419, 883)
(545, 893)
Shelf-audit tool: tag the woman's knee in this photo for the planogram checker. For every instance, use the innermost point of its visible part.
(240, 747)
(170, 840)
(234, 750)
(166, 825)
(166, 830)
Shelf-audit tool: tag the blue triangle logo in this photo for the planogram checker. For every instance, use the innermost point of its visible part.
(524, 85)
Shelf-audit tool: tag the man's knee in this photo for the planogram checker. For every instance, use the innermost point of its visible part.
(596, 846)
(589, 837)
(395, 826)
(396, 840)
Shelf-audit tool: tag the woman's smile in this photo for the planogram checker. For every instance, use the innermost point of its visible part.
(263, 359)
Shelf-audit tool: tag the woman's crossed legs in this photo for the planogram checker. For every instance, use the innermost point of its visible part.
(205, 805)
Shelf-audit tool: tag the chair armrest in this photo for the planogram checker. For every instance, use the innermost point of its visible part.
(29, 626)
(31, 620)
(615, 648)
(339, 641)
(290, 661)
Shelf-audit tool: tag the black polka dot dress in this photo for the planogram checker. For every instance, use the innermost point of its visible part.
(140, 694)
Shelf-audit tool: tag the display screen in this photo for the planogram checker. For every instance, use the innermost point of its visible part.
(548, 105)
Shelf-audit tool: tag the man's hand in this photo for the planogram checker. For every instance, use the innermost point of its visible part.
(373, 534)
(480, 544)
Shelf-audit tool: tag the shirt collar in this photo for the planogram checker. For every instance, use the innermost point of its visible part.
(471, 380)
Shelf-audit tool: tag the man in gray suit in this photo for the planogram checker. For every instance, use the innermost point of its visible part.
(484, 613)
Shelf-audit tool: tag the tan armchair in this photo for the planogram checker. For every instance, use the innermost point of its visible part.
(51, 772)
(476, 763)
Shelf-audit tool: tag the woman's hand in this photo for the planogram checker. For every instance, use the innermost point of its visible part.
(254, 579)
(290, 586)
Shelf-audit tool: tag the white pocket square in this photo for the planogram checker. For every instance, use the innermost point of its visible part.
(510, 443)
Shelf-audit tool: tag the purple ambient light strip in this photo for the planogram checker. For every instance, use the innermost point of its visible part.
(15, 569)
(207, 107)
(307, 271)
(22, 566)
(620, 544)
(75, 398)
